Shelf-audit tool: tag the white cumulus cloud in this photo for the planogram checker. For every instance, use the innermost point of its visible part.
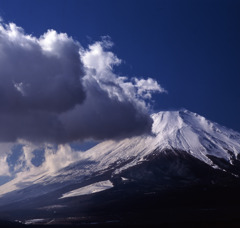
(4, 168)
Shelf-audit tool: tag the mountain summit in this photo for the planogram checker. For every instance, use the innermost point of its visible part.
(190, 132)
(184, 150)
(178, 130)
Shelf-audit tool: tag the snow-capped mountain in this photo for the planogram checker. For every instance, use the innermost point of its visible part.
(179, 130)
(184, 148)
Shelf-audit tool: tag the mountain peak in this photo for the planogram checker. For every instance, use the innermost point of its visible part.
(195, 134)
(166, 121)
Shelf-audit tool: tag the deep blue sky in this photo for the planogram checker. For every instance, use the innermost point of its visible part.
(191, 47)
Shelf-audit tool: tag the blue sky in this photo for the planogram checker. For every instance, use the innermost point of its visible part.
(191, 47)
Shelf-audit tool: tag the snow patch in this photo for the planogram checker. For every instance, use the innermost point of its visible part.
(52, 207)
(34, 221)
(124, 179)
(89, 189)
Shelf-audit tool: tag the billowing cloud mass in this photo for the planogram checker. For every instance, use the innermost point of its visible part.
(52, 90)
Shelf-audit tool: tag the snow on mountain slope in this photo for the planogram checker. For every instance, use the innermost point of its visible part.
(89, 189)
(193, 133)
(180, 130)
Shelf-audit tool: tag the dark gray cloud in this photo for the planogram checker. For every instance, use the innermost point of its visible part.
(39, 74)
(53, 90)
(106, 117)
